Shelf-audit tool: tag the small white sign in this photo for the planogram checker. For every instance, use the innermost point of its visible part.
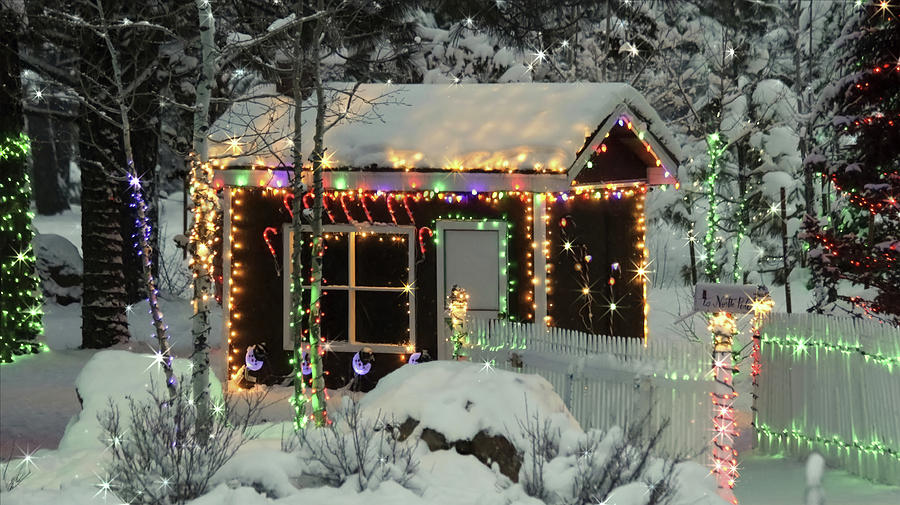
(733, 298)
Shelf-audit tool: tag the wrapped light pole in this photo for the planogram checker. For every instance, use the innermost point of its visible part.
(724, 457)
(722, 301)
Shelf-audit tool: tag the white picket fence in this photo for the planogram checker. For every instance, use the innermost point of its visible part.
(832, 385)
(610, 381)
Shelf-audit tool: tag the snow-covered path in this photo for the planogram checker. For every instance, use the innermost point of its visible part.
(780, 481)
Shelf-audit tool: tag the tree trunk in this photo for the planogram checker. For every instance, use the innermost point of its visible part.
(104, 321)
(143, 106)
(143, 225)
(20, 296)
(205, 207)
(315, 291)
(296, 326)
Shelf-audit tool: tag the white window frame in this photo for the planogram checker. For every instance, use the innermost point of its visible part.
(352, 344)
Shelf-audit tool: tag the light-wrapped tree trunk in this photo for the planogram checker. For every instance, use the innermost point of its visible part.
(205, 207)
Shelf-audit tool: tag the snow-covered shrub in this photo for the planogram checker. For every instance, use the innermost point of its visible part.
(162, 454)
(175, 278)
(590, 467)
(357, 447)
(12, 474)
(542, 442)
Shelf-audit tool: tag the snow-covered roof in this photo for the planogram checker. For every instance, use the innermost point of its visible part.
(521, 126)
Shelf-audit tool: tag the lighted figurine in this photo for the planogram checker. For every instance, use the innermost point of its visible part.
(254, 359)
(419, 357)
(361, 363)
(457, 308)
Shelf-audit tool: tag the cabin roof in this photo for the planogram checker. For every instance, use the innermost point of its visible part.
(525, 127)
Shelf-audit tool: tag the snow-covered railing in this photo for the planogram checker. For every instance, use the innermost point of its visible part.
(832, 385)
(609, 381)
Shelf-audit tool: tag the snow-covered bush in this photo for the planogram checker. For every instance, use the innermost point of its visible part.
(357, 447)
(161, 454)
(542, 442)
(11, 475)
(592, 466)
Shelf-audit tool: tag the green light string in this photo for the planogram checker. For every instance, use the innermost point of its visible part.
(20, 293)
(800, 345)
(715, 147)
(14, 147)
(834, 441)
(494, 224)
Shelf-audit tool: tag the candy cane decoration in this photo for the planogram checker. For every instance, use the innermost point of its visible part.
(325, 198)
(346, 211)
(388, 198)
(422, 232)
(266, 236)
(365, 207)
(408, 211)
(288, 202)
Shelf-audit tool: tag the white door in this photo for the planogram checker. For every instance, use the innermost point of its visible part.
(471, 255)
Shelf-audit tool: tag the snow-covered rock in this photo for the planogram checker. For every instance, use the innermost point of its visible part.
(460, 399)
(115, 376)
(59, 266)
(470, 408)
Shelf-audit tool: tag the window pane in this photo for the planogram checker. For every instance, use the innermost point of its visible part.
(304, 258)
(333, 312)
(334, 262)
(382, 317)
(382, 259)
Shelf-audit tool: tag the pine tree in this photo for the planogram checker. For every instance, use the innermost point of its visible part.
(861, 243)
(20, 295)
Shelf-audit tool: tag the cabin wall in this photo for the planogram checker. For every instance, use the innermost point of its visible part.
(601, 230)
(596, 247)
(259, 277)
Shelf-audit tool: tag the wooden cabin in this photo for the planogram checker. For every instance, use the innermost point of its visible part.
(530, 196)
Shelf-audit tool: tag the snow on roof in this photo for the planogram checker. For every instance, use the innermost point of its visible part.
(528, 126)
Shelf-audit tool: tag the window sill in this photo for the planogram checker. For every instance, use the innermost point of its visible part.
(376, 348)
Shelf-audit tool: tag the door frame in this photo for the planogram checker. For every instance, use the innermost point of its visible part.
(441, 227)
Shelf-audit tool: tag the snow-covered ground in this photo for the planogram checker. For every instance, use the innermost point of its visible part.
(38, 399)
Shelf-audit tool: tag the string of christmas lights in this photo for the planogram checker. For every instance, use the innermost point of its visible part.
(800, 345)
(760, 308)
(875, 447)
(20, 293)
(141, 238)
(202, 247)
(714, 150)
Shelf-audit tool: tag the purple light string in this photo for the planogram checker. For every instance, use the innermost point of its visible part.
(143, 225)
